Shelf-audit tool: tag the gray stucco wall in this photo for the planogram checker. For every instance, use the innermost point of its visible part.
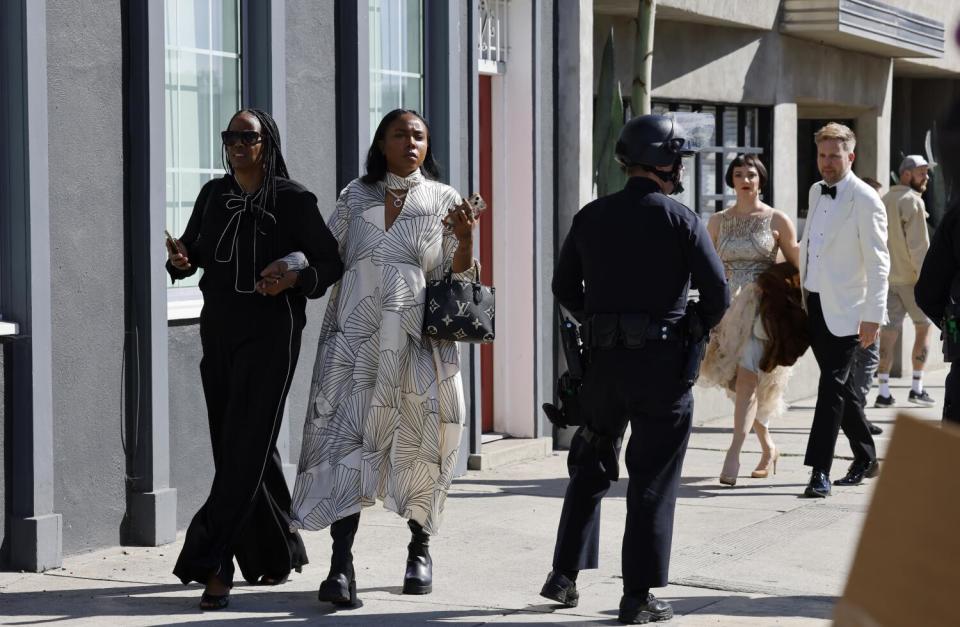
(84, 55)
(191, 459)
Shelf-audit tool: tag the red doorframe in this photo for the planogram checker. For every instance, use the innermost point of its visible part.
(486, 243)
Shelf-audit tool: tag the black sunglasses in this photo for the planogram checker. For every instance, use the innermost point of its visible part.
(247, 138)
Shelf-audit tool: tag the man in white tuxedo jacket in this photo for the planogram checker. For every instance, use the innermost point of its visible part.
(844, 265)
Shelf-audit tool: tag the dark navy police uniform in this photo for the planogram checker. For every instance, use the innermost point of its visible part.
(634, 253)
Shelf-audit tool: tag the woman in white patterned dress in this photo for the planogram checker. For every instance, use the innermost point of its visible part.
(386, 406)
(748, 237)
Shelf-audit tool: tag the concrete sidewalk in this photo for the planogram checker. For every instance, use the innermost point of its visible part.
(755, 554)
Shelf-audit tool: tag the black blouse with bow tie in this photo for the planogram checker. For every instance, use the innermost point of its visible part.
(233, 238)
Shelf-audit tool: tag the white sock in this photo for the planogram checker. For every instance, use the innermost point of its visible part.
(884, 384)
(918, 382)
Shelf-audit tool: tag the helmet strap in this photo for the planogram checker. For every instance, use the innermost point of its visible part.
(670, 176)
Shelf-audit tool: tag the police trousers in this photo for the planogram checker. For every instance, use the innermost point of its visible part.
(641, 387)
(951, 395)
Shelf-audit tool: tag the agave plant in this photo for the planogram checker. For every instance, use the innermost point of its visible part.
(609, 111)
(607, 122)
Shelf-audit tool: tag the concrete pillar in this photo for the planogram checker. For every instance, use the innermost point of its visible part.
(575, 123)
(574, 110)
(151, 518)
(784, 177)
(873, 136)
(35, 538)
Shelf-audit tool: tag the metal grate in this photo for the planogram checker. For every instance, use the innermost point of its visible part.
(493, 41)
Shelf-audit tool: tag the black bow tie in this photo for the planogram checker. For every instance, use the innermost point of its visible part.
(826, 190)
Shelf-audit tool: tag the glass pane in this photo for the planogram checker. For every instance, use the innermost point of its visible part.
(412, 94)
(195, 131)
(411, 42)
(226, 101)
(170, 22)
(193, 24)
(225, 25)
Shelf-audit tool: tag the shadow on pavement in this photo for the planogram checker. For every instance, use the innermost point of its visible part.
(690, 488)
(52, 607)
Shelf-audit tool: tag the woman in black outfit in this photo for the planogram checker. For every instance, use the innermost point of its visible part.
(253, 314)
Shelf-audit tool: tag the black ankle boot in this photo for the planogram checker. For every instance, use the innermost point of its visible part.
(340, 586)
(419, 576)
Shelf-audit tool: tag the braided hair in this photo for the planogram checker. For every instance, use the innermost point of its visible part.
(271, 159)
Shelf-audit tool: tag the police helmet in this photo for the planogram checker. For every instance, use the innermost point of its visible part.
(652, 140)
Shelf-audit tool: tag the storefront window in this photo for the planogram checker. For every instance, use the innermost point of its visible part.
(738, 128)
(202, 91)
(396, 57)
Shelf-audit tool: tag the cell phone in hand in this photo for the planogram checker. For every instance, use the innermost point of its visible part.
(477, 202)
(172, 244)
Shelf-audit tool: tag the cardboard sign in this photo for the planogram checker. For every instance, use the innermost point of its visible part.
(907, 567)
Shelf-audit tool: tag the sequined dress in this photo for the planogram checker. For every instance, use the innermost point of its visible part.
(747, 247)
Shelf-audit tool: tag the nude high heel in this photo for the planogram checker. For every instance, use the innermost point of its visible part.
(728, 475)
(763, 468)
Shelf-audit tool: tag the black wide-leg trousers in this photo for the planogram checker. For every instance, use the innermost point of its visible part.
(641, 386)
(838, 401)
(250, 349)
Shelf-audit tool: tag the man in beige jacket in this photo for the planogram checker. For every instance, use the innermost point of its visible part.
(907, 241)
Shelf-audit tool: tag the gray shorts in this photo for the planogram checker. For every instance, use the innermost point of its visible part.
(900, 302)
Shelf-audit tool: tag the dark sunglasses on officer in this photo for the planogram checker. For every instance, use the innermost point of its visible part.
(247, 138)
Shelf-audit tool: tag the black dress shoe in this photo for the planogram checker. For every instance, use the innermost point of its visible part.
(874, 429)
(640, 611)
(561, 589)
(858, 471)
(819, 486)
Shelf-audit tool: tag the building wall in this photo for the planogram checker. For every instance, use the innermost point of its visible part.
(191, 459)
(310, 152)
(84, 55)
(4, 487)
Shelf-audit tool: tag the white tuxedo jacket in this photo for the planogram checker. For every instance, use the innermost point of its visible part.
(854, 262)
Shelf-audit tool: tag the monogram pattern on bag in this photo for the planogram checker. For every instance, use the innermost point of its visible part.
(457, 315)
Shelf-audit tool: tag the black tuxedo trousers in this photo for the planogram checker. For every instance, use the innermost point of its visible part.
(838, 402)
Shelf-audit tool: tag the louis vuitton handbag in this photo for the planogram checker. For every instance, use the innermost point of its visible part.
(459, 311)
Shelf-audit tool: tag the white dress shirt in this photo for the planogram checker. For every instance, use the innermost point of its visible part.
(819, 219)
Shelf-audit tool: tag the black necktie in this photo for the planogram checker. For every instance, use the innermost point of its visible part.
(826, 190)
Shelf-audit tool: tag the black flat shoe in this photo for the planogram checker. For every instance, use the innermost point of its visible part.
(561, 589)
(214, 602)
(339, 588)
(819, 486)
(874, 429)
(637, 611)
(858, 471)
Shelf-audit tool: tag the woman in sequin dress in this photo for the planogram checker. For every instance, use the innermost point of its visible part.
(749, 235)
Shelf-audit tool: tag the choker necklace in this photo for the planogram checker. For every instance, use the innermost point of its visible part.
(397, 198)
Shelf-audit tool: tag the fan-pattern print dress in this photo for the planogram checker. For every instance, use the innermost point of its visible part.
(386, 406)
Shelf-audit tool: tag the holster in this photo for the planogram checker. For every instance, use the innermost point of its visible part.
(607, 448)
(950, 332)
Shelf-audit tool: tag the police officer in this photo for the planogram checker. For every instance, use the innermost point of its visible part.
(937, 287)
(625, 270)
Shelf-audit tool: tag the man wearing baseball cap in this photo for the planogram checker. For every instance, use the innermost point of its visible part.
(907, 241)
